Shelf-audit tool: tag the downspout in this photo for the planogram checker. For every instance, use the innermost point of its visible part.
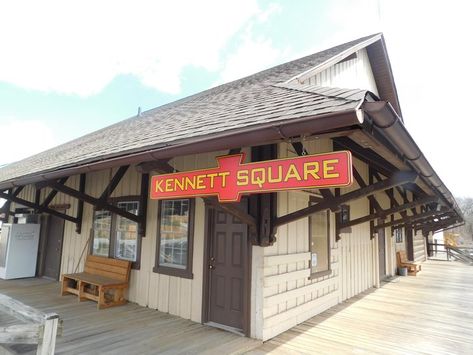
(386, 120)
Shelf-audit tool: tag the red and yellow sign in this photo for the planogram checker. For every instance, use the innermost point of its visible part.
(232, 177)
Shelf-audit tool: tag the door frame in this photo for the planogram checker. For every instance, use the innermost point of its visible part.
(208, 232)
(44, 233)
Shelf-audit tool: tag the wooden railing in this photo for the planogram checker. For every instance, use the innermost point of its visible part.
(36, 328)
(463, 254)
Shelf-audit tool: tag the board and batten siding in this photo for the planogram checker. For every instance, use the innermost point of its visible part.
(287, 294)
(353, 73)
(420, 248)
(175, 295)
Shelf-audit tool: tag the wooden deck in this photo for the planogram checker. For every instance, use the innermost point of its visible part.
(128, 329)
(430, 314)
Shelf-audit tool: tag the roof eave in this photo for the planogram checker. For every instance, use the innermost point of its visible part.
(248, 136)
(389, 124)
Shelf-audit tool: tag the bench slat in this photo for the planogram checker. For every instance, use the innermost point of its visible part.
(108, 261)
(97, 280)
(106, 274)
(119, 270)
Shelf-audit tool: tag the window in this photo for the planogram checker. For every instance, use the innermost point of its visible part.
(175, 237)
(398, 235)
(126, 233)
(319, 243)
(116, 236)
(344, 213)
(102, 228)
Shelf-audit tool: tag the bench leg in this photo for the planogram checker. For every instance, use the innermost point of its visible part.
(81, 291)
(118, 297)
(63, 286)
(101, 301)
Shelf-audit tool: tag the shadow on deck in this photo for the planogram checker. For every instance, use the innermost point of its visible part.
(128, 329)
(430, 314)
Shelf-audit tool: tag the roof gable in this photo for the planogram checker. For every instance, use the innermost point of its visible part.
(301, 77)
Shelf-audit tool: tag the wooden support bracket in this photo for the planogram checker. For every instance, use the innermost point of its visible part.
(397, 179)
(410, 219)
(94, 201)
(386, 213)
(39, 208)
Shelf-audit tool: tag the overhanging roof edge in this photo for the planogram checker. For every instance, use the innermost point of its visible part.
(387, 121)
(253, 135)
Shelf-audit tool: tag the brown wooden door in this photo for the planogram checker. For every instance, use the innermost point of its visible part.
(382, 253)
(228, 263)
(53, 248)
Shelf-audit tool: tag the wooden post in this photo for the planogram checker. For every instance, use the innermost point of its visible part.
(47, 344)
(39, 329)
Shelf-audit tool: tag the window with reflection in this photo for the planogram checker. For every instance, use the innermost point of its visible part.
(126, 233)
(398, 235)
(102, 228)
(116, 236)
(174, 242)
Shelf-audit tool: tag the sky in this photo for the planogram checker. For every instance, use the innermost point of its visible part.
(68, 68)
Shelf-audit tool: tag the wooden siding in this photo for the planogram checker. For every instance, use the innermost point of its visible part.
(351, 74)
(175, 295)
(420, 252)
(289, 297)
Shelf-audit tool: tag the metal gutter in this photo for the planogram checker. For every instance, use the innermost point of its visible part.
(386, 120)
(248, 136)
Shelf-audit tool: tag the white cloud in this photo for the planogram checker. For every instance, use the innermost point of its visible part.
(24, 138)
(253, 52)
(429, 51)
(428, 44)
(252, 55)
(79, 47)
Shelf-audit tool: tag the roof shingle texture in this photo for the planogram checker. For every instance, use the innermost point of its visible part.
(254, 100)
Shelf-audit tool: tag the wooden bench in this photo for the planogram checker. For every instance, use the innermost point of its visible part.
(412, 267)
(104, 281)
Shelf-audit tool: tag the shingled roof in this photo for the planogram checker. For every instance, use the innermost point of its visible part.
(251, 101)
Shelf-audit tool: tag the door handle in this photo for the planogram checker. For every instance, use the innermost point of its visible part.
(212, 259)
(211, 267)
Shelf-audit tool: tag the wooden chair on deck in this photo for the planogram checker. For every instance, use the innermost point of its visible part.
(412, 267)
(104, 280)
